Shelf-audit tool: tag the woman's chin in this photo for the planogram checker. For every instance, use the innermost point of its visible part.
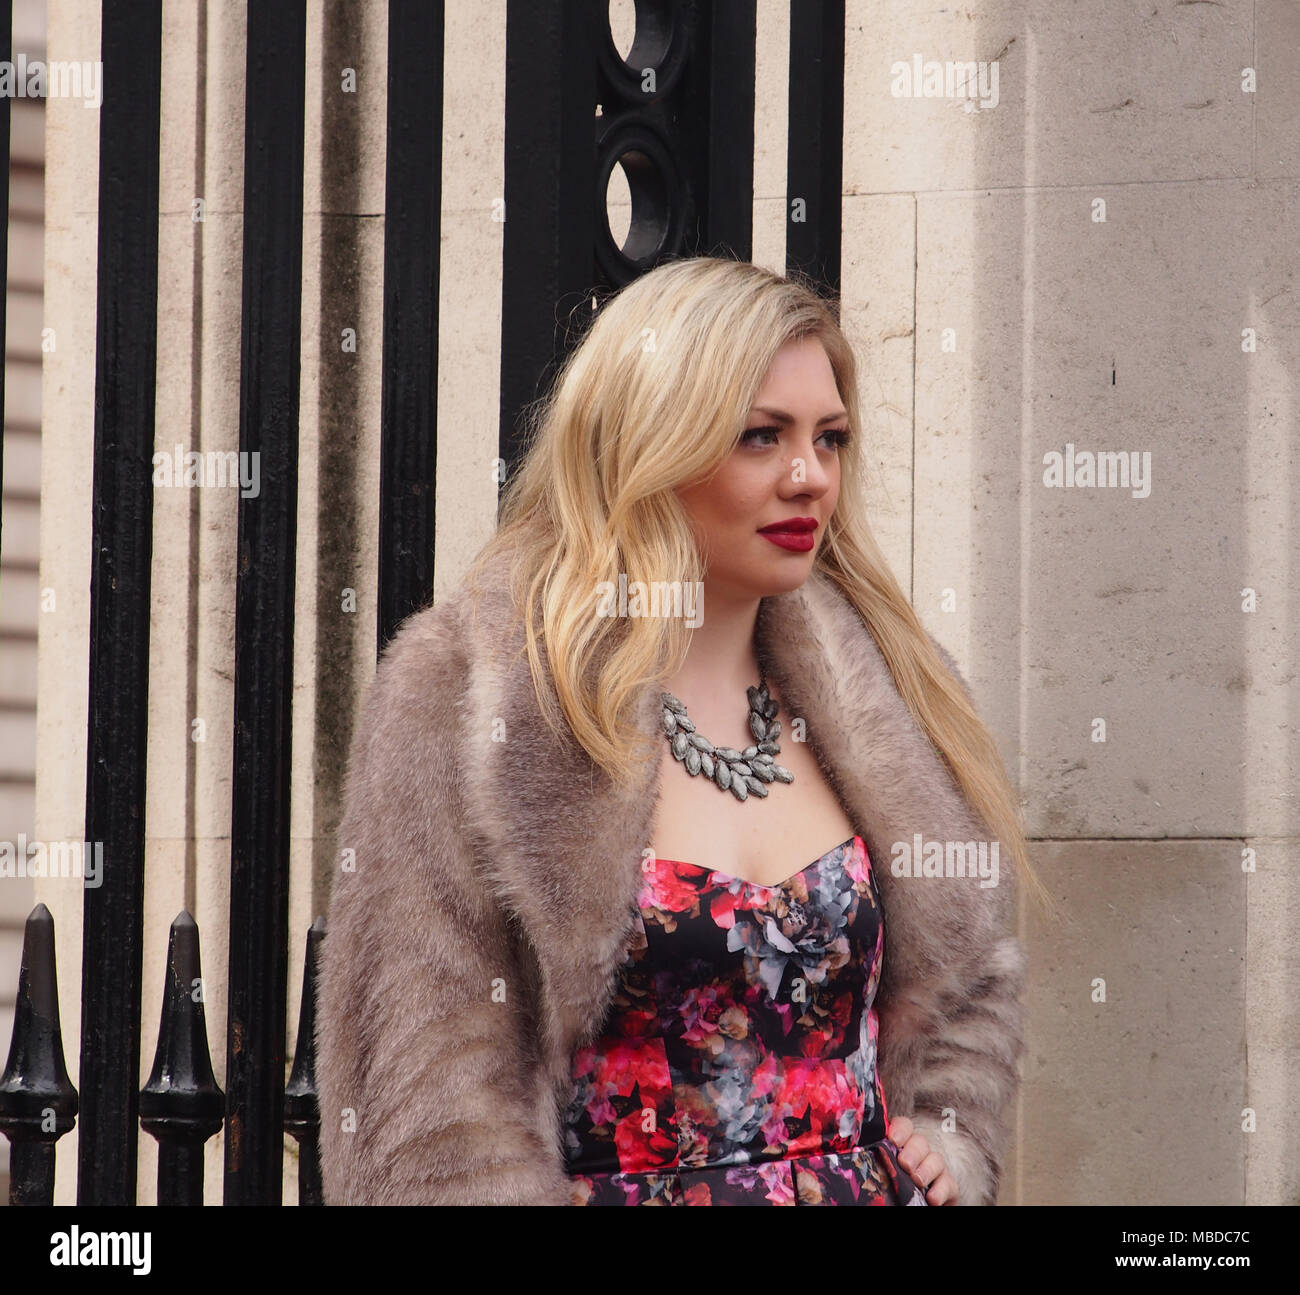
(785, 576)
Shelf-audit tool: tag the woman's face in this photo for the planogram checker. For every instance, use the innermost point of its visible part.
(784, 472)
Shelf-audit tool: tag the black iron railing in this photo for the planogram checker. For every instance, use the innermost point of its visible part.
(678, 115)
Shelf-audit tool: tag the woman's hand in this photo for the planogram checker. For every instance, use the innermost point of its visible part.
(925, 1166)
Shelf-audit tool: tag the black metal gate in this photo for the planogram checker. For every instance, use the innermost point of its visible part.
(678, 115)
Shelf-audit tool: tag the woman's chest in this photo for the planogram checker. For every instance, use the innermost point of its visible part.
(762, 839)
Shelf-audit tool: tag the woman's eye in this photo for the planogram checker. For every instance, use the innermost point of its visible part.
(838, 436)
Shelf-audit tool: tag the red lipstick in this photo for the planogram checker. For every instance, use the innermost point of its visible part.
(794, 533)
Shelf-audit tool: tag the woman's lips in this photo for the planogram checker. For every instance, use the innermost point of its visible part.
(797, 541)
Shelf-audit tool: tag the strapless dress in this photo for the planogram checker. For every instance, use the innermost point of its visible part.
(737, 1061)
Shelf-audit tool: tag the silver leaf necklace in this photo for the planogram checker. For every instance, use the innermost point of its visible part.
(740, 772)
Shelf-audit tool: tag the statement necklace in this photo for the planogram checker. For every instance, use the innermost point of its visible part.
(740, 772)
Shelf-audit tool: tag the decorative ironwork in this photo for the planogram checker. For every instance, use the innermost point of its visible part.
(676, 114)
(38, 1103)
(181, 1104)
(122, 543)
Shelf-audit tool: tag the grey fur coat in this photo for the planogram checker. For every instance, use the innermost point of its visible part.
(486, 895)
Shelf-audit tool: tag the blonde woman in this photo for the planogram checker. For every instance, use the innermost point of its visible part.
(677, 865)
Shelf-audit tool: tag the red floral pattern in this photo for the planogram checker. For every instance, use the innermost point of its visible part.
(737, 1064)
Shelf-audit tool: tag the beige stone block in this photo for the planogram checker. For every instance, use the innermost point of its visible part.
(68, 377)
(23, 449)
(199, 312)
(30, 27)
(17, 743)
(469, 292)
(17, 669)
(771, 134)
(27, 119)
(27, 195)
(17, 814)
(877, 314)
(26, 252)
(344, 163)
(20, 605)
(23, 322)
(1103, 93)
(1273, 1023)
(22, 399)
(469, 391)
(22, 524)
(1277, 97)
(473, 123)
(180, 164)
(769, 234)
(337, 548)
(215, 426)
(225, 70)
(953, 381)
(1137, 1100)
(71, 131)
(67, 437)
(1116, 336)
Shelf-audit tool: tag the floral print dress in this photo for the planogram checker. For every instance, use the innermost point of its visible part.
(737, 1063)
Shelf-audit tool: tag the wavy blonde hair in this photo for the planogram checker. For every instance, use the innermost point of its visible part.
(656, 396)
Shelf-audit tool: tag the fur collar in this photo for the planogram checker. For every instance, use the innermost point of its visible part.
(565, 848)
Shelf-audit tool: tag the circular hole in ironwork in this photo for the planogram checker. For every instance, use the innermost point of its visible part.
(622, 25)
(618, 205)
(641, 31)
(636, 206)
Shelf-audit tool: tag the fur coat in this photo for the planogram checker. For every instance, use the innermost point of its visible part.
(486, 896)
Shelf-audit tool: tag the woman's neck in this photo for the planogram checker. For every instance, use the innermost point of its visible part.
(721, 658)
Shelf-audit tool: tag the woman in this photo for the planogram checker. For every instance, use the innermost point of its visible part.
(590, 942)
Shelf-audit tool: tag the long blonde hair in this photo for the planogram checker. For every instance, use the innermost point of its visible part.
(655, 396)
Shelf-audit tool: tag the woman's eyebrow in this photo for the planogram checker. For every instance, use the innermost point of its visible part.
(782, 417)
